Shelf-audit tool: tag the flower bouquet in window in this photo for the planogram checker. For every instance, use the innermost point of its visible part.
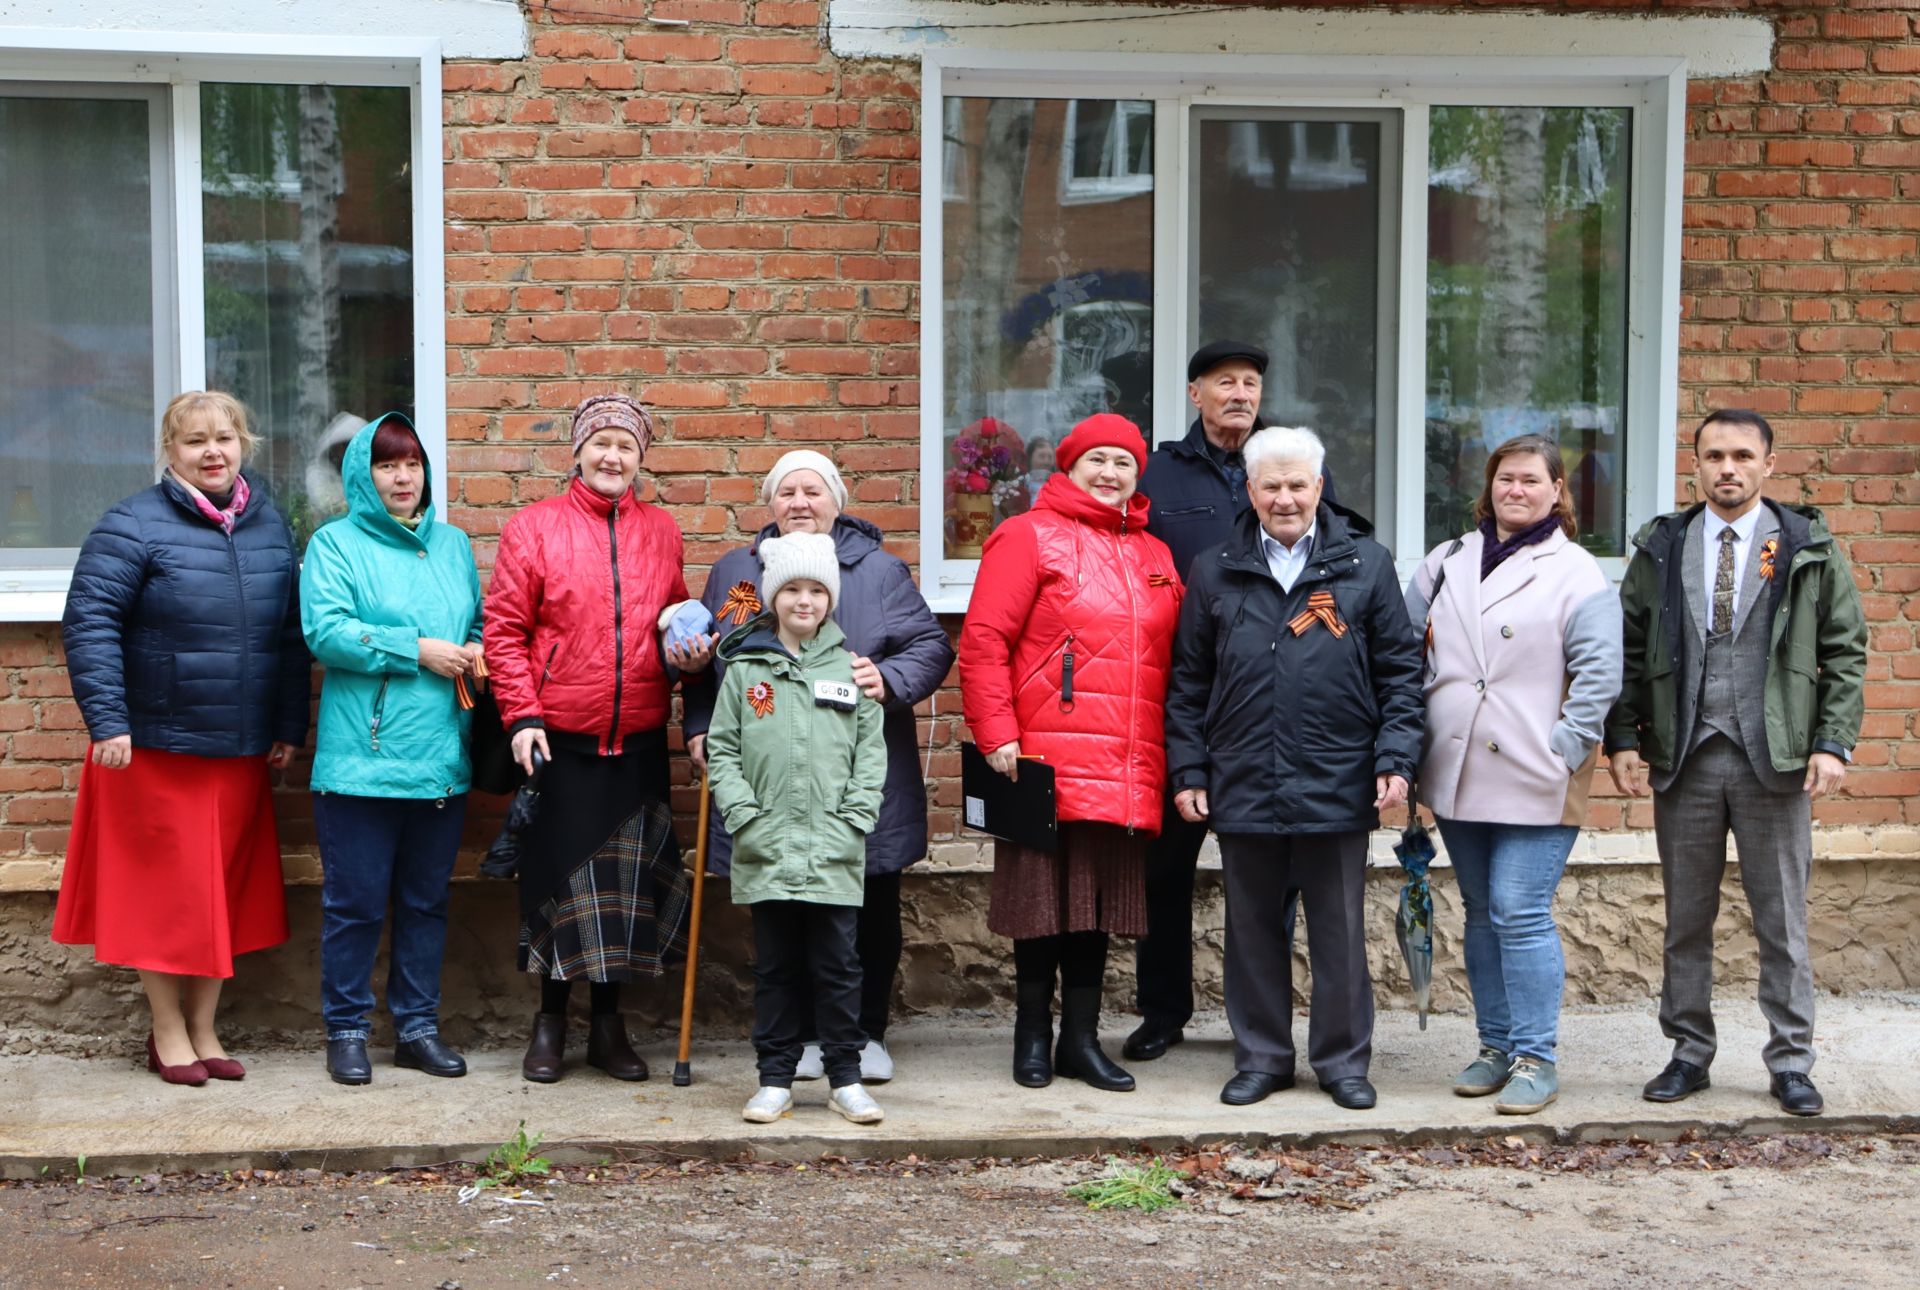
(985, 483)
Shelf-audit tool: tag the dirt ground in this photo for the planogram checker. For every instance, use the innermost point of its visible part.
(1746, 1212)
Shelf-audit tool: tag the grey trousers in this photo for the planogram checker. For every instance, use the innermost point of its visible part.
(1330, 871)
(1717, 791)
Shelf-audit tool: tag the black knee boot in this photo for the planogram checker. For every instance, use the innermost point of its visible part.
(1078, 1055)
(1033, 1033)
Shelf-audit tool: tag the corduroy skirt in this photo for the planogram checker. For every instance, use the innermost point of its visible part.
(1096, 882)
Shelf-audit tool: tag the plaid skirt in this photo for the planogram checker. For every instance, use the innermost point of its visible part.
(1096, 882)
(602, 892)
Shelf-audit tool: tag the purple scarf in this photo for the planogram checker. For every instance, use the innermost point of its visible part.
(1493, 550)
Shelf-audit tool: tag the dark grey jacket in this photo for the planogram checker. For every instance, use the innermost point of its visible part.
(886, 620)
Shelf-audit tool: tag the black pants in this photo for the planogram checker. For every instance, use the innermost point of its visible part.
(1163, 958)
(877, 941)
(804, 961)
(1329, 873)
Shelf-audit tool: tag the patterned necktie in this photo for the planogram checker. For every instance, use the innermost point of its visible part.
(1723, 586)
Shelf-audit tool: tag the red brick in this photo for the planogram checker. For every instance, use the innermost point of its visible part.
(747, 174)
(715, 361)
(583, 76)
(1877, 462)
(1811, 152)
(774, 49)
(1790, 246)
(1803, 277)
(698, 79)
(1897, 59)
(1872, 246)
(574, 44)
(786, 13)
(1756, 183)
(1906, 156)
(1847, 402)
(792, 82)
(624, 360)
(1827, 340)
(1808, 214)
(573, 268)
(1826, 183)
(558, 175)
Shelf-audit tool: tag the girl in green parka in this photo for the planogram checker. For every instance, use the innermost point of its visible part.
(796, 758)
(390, 604)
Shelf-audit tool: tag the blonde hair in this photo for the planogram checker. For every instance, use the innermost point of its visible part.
(194, 403)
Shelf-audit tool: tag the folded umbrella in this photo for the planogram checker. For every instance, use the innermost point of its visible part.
(1413, 925)
(503, 857)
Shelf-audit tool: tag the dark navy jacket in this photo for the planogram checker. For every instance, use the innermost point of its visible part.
(885, 619)
(186, 638)
(1194, 504)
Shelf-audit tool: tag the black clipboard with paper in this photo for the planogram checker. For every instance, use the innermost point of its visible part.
(1022, 811)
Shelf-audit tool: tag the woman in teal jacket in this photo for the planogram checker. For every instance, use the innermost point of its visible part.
(390, 604)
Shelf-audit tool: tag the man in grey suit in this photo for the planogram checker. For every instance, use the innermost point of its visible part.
(1745, 658)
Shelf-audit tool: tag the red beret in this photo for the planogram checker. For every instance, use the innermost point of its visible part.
(1102, 430)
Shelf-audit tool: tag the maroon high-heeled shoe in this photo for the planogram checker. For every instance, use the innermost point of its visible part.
(223, 1068)
(192, 1074)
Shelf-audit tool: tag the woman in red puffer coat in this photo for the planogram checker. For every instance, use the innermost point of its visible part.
(1064, 658)
(580, 592)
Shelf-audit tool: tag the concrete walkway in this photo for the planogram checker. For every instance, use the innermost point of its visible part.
(952, 1097)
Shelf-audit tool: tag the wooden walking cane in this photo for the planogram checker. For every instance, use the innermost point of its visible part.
(682, 1068)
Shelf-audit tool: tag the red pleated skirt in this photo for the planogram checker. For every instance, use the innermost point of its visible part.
(174, 864)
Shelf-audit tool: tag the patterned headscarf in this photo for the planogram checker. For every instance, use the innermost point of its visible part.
(612, 412)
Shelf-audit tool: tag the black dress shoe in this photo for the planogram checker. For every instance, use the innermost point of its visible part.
(1150, 1040)
(347, 1061)
(428, 1054)
(1248, 1087)
(1675, 1082)
(1353, 1092)
(1796, 1093)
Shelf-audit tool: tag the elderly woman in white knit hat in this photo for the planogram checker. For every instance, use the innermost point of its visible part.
(901, 655)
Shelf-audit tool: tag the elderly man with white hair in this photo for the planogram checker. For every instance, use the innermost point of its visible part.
(901, 655)
(1293, 717)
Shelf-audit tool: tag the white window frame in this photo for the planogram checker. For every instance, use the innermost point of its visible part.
(179, 63)
(1101, 188)
(1653, 86)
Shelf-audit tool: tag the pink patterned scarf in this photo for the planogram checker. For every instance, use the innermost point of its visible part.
(223, 516)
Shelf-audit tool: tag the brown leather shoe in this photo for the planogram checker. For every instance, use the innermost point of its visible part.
(546, 1048)
(609, 1048)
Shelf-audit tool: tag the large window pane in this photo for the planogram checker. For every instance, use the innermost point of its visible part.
(1527, 304)
(1048, 294)
(76, 317)
(309, 272)
(1289, 258)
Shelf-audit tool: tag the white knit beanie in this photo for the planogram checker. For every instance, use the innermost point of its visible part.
(799, 555)
(805, 459)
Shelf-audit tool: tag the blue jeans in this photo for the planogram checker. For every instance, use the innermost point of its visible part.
(1508, 874)
(375, 851)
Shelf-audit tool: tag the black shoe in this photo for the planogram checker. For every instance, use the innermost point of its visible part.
(609, 1049)
(546, 1048)
(1248, 1087)
(1675, 1082)
(1078, 1055)
(428, 1054)
(1033, 1034)
(1151, 1039)
(1353, 1092)
(347, 1061)
(1796, 1093)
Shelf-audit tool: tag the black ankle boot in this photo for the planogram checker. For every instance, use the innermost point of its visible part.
(1078, 1054)
(609, 1049)
(1033, 1033)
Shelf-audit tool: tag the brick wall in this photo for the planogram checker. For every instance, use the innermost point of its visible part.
(725, 217)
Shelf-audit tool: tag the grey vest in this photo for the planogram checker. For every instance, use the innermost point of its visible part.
(1722, 689)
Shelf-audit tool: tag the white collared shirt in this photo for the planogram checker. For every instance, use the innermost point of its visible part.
(1287, 563)
(1743, 540)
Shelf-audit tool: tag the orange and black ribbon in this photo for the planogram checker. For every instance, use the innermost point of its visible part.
(463, 691)
(1320, 609)
(760, 698)
(1159, 580)
(742, 603)
(1767, 552)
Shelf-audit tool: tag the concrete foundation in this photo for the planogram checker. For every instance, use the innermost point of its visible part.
(1864, 930)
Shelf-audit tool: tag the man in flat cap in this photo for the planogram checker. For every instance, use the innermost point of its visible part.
(1198, 486)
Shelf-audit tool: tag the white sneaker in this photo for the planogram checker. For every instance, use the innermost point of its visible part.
(876, 1064)
(813, 1063)
(856, 1104)
(768, 1105)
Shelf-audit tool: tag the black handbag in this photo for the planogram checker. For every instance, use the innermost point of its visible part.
(490, 748)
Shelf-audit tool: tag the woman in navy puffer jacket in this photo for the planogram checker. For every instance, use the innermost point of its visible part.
(183, 643)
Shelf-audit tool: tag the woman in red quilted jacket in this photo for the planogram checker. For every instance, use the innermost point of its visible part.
(580, 589)
(1064, 658)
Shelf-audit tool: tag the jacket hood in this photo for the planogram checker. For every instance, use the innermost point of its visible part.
(854, 539)
(364, 506)
(760, 635)
(1802, 526)
(1335, 530)
(1064, 497)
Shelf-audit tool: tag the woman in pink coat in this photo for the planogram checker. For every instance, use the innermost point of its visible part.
(1523, 661)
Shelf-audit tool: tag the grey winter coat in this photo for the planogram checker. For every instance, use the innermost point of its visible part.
(886, 620)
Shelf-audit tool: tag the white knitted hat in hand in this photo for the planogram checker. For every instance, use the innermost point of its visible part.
(806, 459)
(799, 555)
